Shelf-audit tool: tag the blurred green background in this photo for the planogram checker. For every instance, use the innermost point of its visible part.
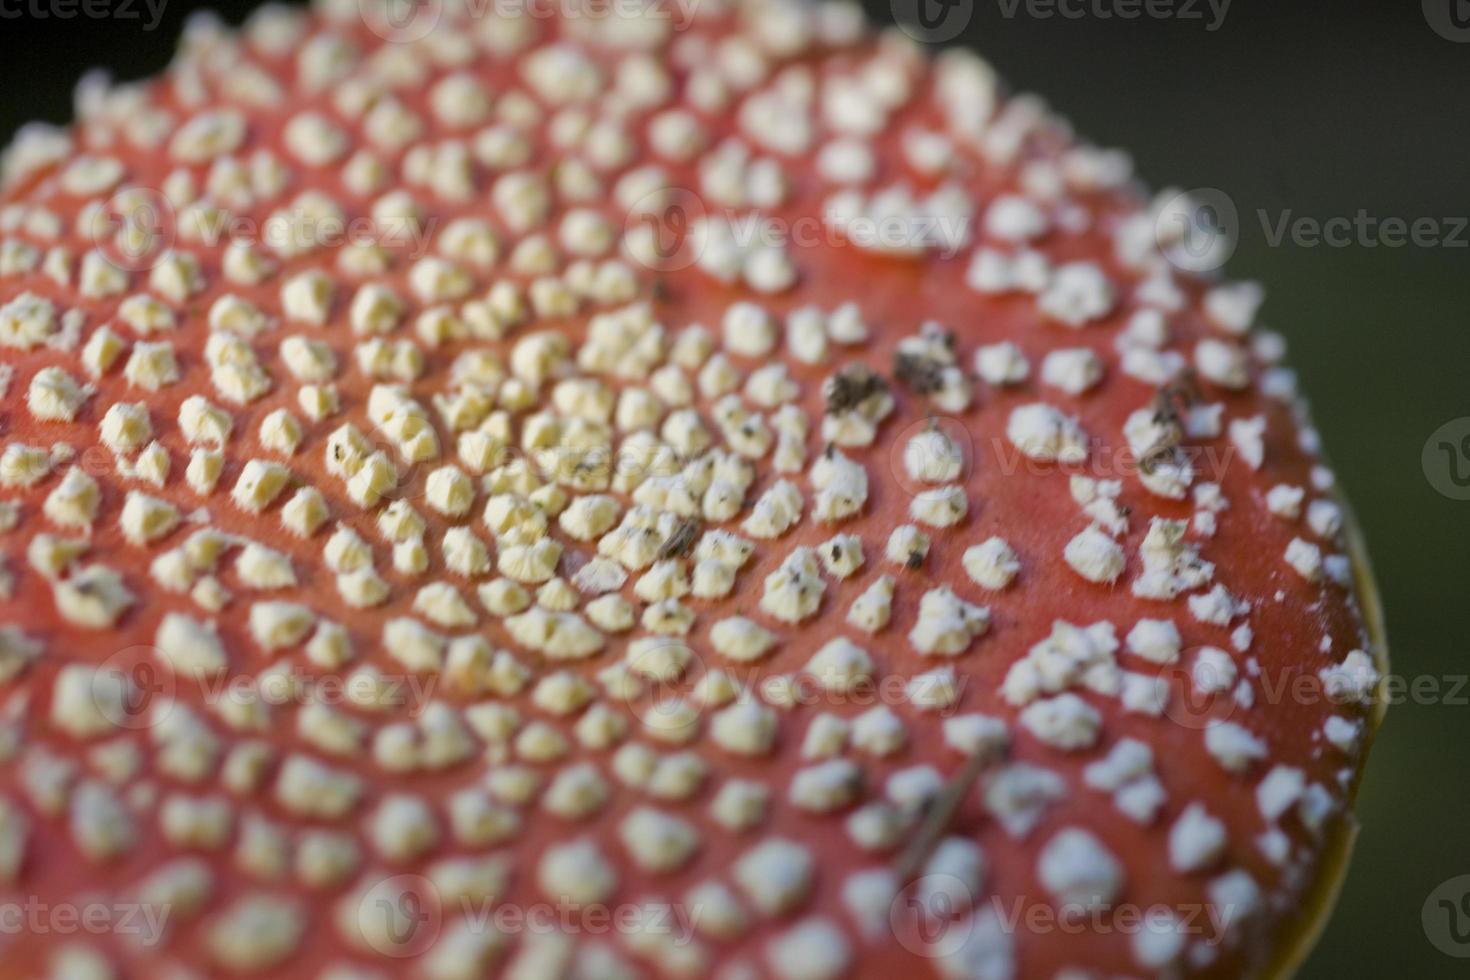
(1316, 111)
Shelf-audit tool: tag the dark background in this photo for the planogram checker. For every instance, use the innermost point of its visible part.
(1318, 109)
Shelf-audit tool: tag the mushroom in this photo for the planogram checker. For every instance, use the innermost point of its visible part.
(563, 498)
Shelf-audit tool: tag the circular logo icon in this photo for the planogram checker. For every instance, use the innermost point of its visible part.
(939, 449)
(1446, 917)
(656, 687)
(1446, 459)
(933, 21)
(1202, 693)
(412, 478)
(401, 21)
(933, 915)
(1450, 19)
(134, 228)
(126, 685)
(665, 229)
(1197, 230)
(400, 916)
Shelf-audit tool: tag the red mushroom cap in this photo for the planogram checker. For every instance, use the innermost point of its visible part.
(638, 490)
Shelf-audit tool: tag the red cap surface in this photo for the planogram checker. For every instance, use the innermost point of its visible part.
(714, 492)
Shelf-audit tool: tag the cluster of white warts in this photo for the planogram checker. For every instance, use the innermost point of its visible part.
(595, 458)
